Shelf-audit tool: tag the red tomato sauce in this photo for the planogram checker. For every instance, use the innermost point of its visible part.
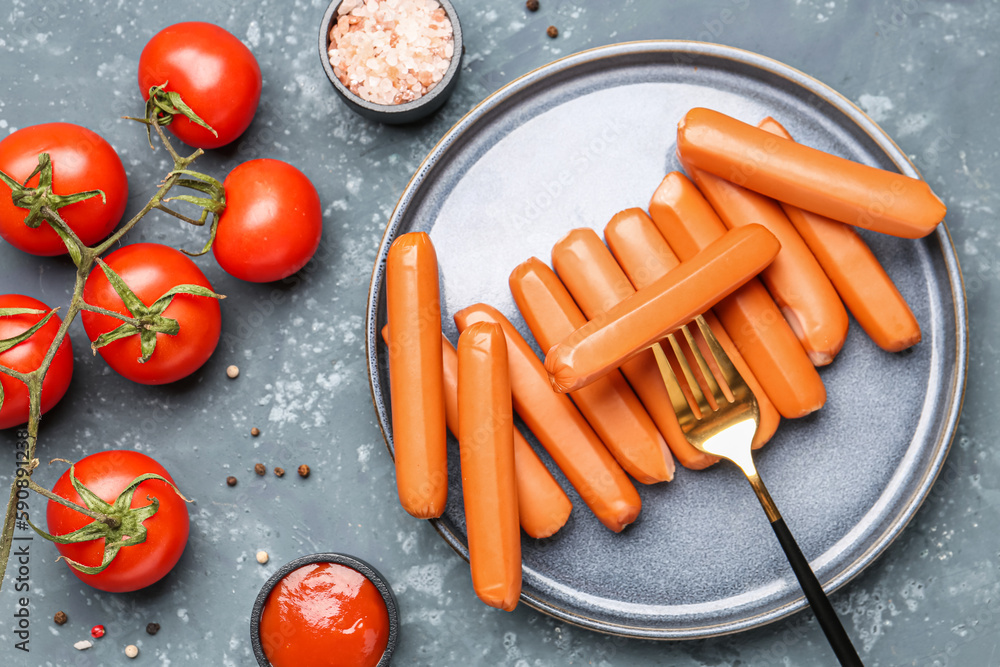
(324, 614)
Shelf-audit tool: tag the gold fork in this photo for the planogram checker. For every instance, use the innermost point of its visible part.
(723, 423)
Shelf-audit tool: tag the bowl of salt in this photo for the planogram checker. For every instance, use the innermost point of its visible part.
(392, 61)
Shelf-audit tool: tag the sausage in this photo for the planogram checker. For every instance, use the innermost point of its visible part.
(795, 279)
(597, 283)
(562, 430)
(644, 255)
(609, 404)
(416, 382)
(486, 447)
(859, 278)
(750, 316)
(543, 507)
(850, 192)
(646, 316)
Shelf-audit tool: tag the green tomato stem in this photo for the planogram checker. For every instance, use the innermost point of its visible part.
(181, 216)
(53, 218)
(110, 313)
(110, 521)
(17, 375)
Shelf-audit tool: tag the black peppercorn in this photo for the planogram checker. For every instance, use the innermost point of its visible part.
(152, 628)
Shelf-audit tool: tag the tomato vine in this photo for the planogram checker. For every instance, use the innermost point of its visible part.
(44, 206)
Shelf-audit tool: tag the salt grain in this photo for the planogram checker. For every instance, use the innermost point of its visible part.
(391, 51)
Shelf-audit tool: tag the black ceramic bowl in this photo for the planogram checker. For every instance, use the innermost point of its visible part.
(394, 114)
(361, 566)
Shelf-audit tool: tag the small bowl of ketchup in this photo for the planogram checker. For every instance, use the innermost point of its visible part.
(325, 609)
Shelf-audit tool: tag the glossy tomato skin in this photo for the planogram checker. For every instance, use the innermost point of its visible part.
(27, 356)
(272, 223)
(107, 474)
(150, 269)
(81, 161)
(215, 74)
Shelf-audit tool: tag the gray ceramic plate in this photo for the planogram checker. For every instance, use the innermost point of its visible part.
(569, 145)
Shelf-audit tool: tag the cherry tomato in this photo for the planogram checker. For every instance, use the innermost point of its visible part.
(81, 161)
(107, 474)
(150, 269)
(214, 73)
(272, 223)
(27, 356)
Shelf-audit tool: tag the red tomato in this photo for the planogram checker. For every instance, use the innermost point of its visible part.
(27, 356)
(81, 161)
(272, 223)
(214, 73)
(107, 474)
(150, 269)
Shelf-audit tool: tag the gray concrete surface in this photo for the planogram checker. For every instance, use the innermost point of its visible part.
(926, 71)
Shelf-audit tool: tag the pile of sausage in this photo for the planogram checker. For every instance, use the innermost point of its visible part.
(754, 203)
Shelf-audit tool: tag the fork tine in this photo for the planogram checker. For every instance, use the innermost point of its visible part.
(721, 378)
(706, 372)
(685, 414)
(730, 375)
(689, 378)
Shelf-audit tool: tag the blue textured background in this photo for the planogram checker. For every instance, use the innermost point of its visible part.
(926, 72)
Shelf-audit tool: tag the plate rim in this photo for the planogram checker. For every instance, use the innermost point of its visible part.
(879, 137)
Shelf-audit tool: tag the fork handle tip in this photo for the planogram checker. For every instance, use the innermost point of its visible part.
(820, 603)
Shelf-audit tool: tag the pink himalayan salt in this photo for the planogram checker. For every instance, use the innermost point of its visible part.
(391, 51)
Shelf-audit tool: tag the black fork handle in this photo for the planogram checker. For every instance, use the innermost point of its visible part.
(827, 617)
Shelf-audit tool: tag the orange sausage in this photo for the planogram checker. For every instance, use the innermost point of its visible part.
(562, 430)
(416, 383)
(644, 255)
(609, 404)
(590, 273)
(675, 299)
(543, 506)
(850, 192)
(862, 283)
(761, 334)
(795, 279)
(486, 447)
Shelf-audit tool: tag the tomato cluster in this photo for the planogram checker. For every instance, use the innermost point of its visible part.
(147, 308)
(269, 229)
